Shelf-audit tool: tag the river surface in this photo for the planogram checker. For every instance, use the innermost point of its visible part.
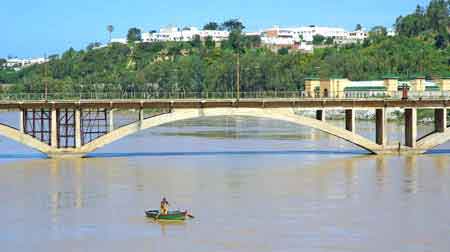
(252, 184)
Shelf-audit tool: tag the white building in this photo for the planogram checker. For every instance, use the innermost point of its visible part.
(18, 64)
(354, 37)
(185, 34)
(215, 35)
(391, 33)
(119, 40)
(289, 36)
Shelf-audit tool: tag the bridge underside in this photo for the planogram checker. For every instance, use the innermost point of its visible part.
(75, 132)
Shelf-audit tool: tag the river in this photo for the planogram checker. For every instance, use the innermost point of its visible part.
(252, 184)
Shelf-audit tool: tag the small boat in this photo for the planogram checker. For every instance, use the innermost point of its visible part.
(171, 216)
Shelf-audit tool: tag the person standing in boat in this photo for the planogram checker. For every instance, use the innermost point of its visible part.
(164, 208)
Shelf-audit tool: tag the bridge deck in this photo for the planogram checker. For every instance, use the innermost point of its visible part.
(226, 103)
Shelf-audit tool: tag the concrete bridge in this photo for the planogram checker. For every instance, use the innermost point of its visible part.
(76, 128)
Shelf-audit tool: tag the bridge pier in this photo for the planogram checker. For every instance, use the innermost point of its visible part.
(440, 120)
(320, 115)
(111, 120)
(410, 127)
(54, 129)
(77, 128)
(21, 121)
(380, 126)
(141, 117)
(350, 120)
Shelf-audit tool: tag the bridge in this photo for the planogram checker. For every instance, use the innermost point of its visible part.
(74, 128)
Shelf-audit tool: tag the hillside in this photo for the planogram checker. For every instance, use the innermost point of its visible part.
(421, 47)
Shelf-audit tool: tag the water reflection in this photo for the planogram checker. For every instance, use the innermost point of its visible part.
(351, 176)
(381, 173)
(410, 170)
(442, 163)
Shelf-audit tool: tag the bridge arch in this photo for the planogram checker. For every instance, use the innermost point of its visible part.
(285, 114)
(27, 140)
(433, 140)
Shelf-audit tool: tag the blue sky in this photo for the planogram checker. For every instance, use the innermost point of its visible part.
(32, 28)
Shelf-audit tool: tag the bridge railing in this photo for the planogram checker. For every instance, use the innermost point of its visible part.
(220, 95)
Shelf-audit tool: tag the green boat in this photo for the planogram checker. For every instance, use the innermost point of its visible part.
(171, 216)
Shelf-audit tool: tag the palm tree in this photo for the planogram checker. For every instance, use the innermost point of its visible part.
(110, 29)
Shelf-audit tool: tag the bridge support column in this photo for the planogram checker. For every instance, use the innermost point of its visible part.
(440, 120)
(410, 127)
(111, 120)
(141, 116)
(380, 126)
(54, 129)
(350, 120)
(320, 115)
(77, 128)
(21, 121)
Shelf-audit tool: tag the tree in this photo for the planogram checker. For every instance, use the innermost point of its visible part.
(378, 31)
(196, 41)
(283, 51)
(210, 43)
(235, 41)
(55, 56)
(211, 26)
(438, 15)
(440, 42)
(329, 41)
(93, 45)
(318, 39)
(2, 62)
(110, 29)
(252, 41)
(358, 27)
(134, 35)
(419, 10)
(434, 19)
(232, 25)
(235, 38)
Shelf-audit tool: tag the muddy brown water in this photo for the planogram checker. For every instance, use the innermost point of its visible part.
(253, 185)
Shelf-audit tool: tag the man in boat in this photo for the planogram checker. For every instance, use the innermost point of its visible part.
(164, 208)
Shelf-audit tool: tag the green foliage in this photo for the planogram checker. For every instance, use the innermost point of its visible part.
(93, 45)
(251, 41)
(378, 31)
(2, 62)
(182, 67)
(434, 21)
(441, 41)
(110, 29)
(329, 41)
(209, 42)
(134, 35)
(196, 42)
(283, 51)
(8, 76)
(211, 26)
(318, 39)
(233, 25)
(199, 67)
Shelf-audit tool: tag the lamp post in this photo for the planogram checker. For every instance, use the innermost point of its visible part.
(238, 70)
(46, 82)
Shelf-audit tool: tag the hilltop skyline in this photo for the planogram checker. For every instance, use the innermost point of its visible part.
(51, 27)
